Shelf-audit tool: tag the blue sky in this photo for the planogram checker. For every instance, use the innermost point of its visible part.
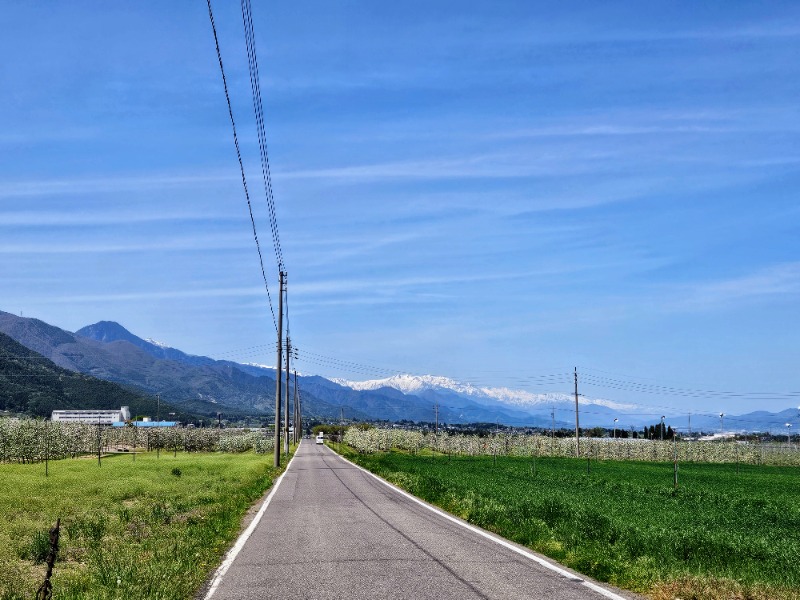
(489, 191)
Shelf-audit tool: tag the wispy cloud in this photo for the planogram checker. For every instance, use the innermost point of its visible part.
(780, 281)
(777, 280)
(608, 129)
(122, 217)
(379, 285)
(764, 30)
(319, 251)
(507, 165)
(94, 185)
(237, 292)
(575, 36)
(104, 246)
(44, 135)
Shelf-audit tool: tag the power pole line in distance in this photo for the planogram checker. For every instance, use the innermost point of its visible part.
(577, 427)
(286, 415)
(277, 453)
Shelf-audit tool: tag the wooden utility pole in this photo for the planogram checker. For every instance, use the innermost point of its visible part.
(577, 427)
(299, 409)
(286, 415)
(277, 453)
(436, 408)
(158, 420)
(296, 412)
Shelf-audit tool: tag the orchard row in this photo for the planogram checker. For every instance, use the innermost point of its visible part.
(382, 440)
(32, 440)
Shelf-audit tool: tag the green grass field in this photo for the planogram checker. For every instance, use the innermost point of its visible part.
(726, 532)
(153, 528)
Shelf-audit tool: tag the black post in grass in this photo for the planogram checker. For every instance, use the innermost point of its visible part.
(45, 591)
(675, 464)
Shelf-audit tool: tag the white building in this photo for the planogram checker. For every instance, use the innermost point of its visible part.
(102, 417)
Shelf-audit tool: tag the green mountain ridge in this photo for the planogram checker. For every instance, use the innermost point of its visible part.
(33, 385)
(200, 389)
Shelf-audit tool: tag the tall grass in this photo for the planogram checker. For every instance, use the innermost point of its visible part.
(144, 529)
(729, 530)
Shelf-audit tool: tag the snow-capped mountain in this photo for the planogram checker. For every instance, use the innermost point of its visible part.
(417, 384)
(111, 352)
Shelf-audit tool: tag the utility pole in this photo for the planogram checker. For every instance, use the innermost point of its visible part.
(296, 412)
(277, 453)
(158, 420)
(99, 464)
(577, 427)
(299, 409)
(436, 409)
(286, 415)
(690, 424)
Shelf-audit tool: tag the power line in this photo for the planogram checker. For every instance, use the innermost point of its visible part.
(239, 157)
(684, 392)
(255, 86)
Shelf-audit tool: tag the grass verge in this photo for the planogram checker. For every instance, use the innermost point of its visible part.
(153, 528)
(725, 532)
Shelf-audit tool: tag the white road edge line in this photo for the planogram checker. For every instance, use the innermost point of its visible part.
(234, 551)
(530, 555)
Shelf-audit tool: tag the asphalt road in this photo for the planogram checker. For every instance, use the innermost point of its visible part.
(331, 530)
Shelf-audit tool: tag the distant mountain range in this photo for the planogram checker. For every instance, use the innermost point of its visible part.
(32, 384)
(108, 351)
(109, 331)
(558, 410)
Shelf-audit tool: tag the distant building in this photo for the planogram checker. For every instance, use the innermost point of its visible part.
(146, 423)
(102, 417)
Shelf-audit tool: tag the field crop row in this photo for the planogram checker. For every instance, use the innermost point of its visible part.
(377, 440)
(725, 532)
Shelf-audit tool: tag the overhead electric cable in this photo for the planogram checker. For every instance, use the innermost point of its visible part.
(258, 108)
(239, 157)
(675, 391)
